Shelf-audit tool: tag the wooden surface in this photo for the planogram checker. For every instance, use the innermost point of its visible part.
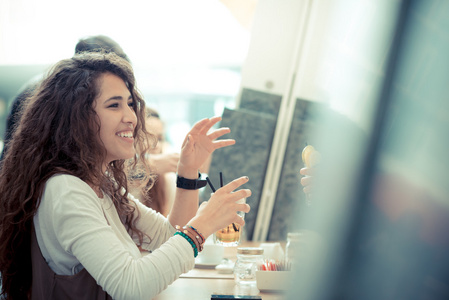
(200, 284)
(203, 288)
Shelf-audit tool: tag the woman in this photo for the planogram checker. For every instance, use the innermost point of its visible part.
(64, 202)
(89, 44)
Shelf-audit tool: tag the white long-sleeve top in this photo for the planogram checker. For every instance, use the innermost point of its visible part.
(75, 229)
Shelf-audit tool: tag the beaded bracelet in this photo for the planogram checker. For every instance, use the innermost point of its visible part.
(195, 250)
(192, 237)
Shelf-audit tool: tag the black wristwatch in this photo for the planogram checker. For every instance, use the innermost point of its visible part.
(190, 184)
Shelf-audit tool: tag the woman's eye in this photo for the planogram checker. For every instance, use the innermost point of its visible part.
(113, 105)
(132, 105)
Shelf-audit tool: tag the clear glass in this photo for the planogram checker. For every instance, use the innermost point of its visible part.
(246, 266)
(292, 247)
(231, 235)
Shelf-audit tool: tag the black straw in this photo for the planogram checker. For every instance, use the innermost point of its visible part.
(221, 179)
(210, 184)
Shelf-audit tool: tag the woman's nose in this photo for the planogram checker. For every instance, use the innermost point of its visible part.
(130, 115)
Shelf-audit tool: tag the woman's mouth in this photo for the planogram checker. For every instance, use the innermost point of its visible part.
(125, 134)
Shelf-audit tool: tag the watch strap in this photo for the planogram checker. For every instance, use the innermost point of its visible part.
(190, 184)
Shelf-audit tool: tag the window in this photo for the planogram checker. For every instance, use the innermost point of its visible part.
(186, 54)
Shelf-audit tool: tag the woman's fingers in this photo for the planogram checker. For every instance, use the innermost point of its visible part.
(224, 206)
(204, 125)
(239, 220)
(191, 140)
(223, 143)
(219, 132)
(243, 207)
(199, 126)
(210, 124)
(230, 187)
(240, 194)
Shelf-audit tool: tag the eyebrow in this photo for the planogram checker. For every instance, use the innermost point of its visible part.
(117, 98)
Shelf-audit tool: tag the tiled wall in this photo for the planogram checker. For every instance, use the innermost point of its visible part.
(253, 126)
(253, 133)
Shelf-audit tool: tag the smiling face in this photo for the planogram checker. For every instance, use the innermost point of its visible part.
(115, 109)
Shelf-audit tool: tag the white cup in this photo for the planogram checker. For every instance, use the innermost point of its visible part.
(212, 254)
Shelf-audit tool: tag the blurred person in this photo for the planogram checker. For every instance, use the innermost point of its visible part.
(160, 196)
(66, 217)
(403, 233)
(100, 43)
(163, 161)
(91, 44)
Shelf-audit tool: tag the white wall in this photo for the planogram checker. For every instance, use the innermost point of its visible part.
(272, 45)
(341, 48)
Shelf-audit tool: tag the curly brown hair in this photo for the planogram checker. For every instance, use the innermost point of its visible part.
(58, 133)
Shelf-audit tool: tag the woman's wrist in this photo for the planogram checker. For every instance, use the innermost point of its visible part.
(201, 227)
(186, 172)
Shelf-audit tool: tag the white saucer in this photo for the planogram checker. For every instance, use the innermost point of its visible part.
(205, 266)
(225, 268)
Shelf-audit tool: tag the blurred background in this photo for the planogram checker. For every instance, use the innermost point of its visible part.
(185, 54)
(364, 81)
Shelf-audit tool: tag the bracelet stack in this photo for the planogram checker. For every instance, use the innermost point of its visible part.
(198, 236)
(192, 235)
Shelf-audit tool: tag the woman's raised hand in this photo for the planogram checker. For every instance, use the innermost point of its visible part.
(221, 209)
(200, 143)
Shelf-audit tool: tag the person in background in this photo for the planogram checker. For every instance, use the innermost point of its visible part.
(99, 43)
(91, 44)
(161, 195)
(401, 236)
(306, 179)
(66, 217)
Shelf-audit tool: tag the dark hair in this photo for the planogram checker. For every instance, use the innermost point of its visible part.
(58, 133)
(100, 43)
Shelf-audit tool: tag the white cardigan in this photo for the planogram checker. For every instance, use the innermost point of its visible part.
(76, 229)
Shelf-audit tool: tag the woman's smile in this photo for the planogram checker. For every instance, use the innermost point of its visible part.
(126, 135)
